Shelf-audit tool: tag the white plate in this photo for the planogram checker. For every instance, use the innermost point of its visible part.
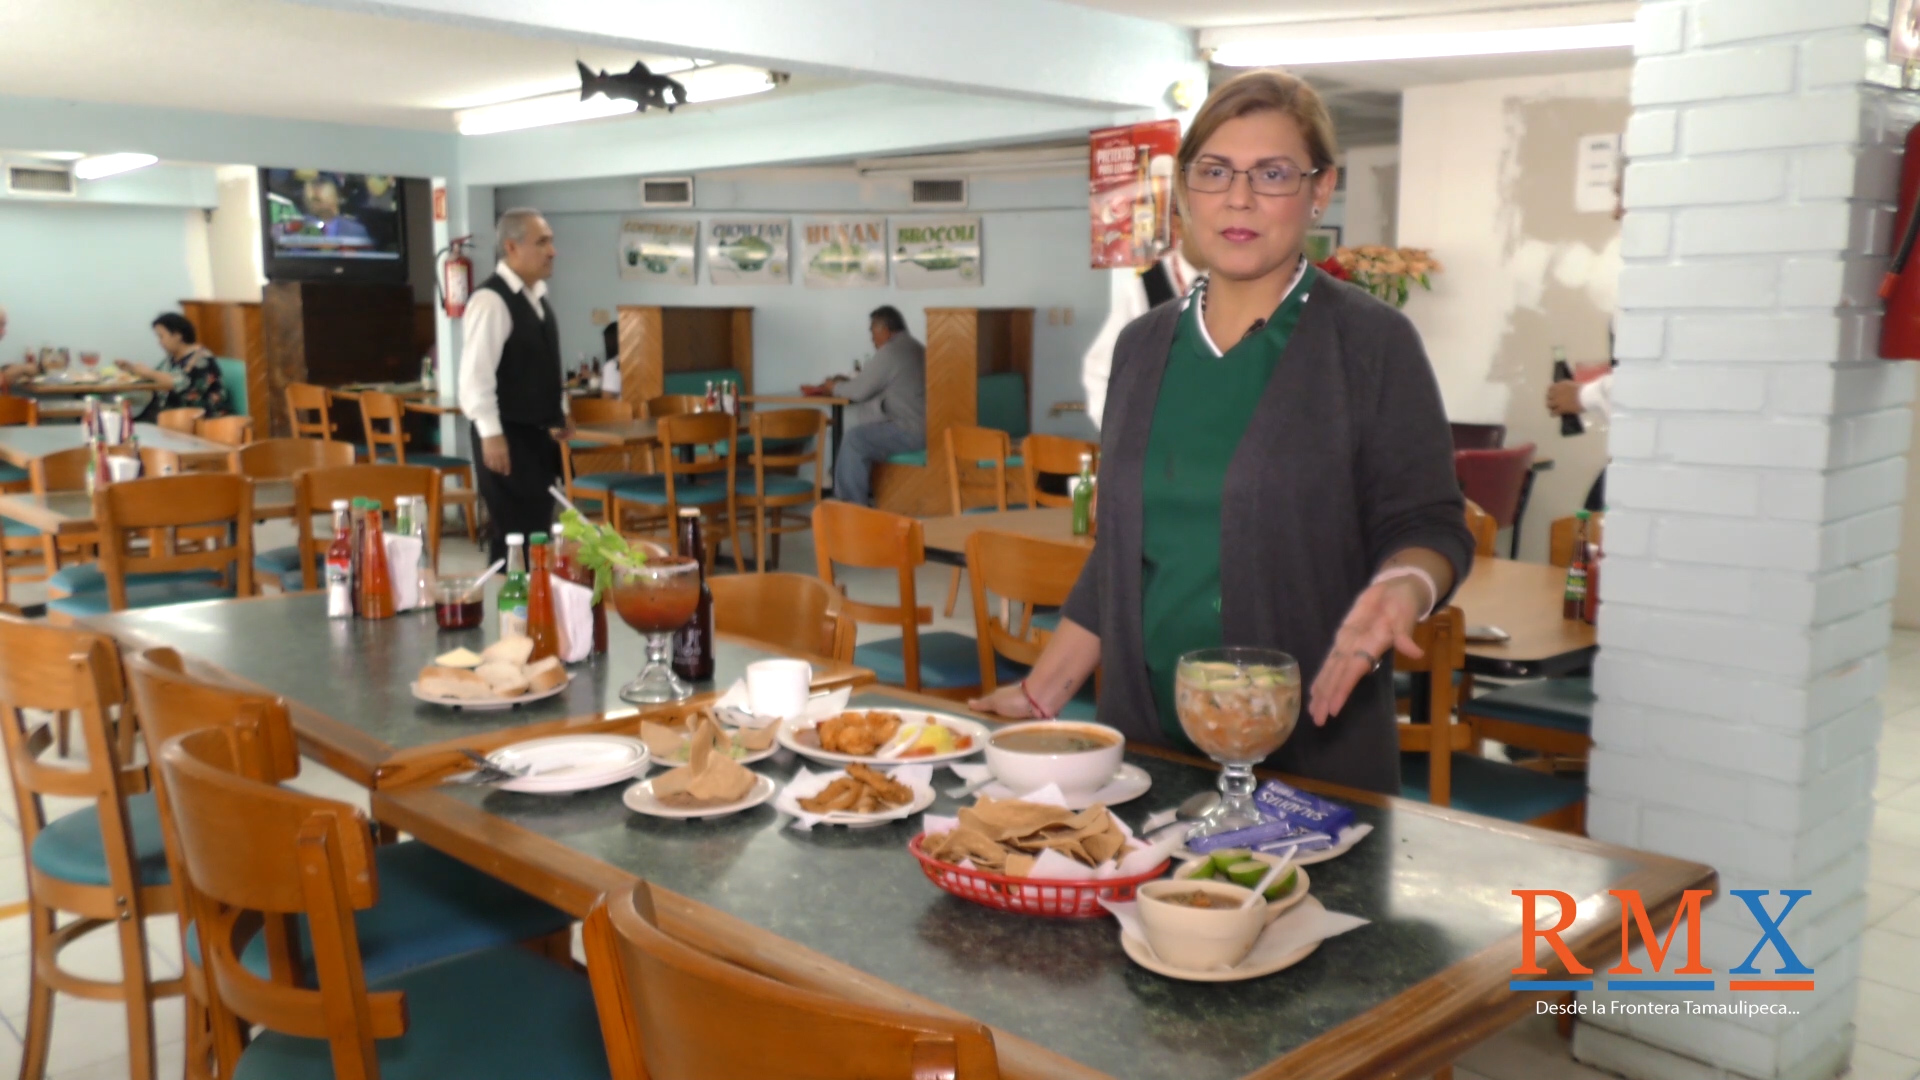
(789, 804)
(639, 798)
(572, 762)
(789, 737)
(1349, 836)
(750, 758)
(1253, 967)
(488, 704)
(1128, 784)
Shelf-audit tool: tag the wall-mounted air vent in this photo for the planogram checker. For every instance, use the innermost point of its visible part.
(40, 180)
(672, 191)
(939, 193)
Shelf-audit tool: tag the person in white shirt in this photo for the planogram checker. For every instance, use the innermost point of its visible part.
(511, 383)
(1133, 295)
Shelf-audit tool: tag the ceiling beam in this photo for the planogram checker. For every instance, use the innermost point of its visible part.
(1041, 50)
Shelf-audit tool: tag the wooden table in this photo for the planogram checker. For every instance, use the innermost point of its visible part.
(850, 913)
(20, 444)
(72, 511)
(103, 387)
(408, 391)
(348, 680)
(1521, 598)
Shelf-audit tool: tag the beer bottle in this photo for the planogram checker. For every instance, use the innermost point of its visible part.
(513, 594)
(1083, 497)
(693, 643)
(1575, 604)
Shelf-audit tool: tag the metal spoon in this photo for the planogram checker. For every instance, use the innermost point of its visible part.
(1197, 806)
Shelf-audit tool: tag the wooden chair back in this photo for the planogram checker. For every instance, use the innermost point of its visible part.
(674, 405)
(16, 411)
(670, 1010)
(1442, 639)
(279, 459)
(695, 430)
(309, 411)
(1560, 537)
(314, 491)
(790, 611)
(256, 853)
(967, 448)
(599, 410)
(1052, 455)
(63, 470)
(1485, 530)
(160, 506)
(1027, 570)
(229, 430)
(786, 426)
(381, 417)
(849, 535)
(180, 420)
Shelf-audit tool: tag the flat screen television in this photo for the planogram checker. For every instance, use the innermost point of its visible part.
(333, 226)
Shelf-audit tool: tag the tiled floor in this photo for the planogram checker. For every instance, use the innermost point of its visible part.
(89, 1041)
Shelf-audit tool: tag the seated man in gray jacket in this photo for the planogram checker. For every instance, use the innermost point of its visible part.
(895, 380)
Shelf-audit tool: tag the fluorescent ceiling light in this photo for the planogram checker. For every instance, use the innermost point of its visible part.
(705, 84)
(1275, 47)
(93, 168)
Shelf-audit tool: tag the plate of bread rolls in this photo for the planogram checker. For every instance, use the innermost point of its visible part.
(500, 677)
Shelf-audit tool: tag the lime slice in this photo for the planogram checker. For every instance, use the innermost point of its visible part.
(1283, 886)
(1225, 858)
(1247, 873)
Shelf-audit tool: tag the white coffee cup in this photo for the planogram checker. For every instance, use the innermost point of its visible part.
(779, 688)
(123, 468)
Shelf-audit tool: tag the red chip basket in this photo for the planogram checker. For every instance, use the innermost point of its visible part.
(1030, 896)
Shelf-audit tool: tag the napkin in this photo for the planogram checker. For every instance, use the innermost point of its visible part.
(974, 775)
(403, 572)
(806, 784)
(734, 705)
(573, 614)
(1306, 924)
(709, 778)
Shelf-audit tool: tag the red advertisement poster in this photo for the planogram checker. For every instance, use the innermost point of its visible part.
(1130, 176)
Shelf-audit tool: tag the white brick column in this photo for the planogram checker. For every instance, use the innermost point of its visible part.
(1754, 502)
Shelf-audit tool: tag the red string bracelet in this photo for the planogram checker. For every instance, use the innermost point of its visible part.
(1034, 704)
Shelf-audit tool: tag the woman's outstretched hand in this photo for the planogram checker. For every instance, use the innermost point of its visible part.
(1381, 621)
(1008, 701)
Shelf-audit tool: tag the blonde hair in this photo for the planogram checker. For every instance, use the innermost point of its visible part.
(1265, 90)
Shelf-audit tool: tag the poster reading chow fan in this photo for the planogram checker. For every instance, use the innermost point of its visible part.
(747, 251)
(936, 253)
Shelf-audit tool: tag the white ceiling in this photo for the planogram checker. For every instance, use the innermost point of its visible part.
(1254, 12)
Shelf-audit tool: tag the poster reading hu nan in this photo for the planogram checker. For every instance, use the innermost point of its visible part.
(747, 251)
(936, 253)
(844, 253)
(658, 250)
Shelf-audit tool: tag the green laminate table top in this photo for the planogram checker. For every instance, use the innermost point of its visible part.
(20, 444)
(348, 680)
(1435, 885)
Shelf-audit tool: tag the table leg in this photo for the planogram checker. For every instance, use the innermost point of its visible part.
(839, 415)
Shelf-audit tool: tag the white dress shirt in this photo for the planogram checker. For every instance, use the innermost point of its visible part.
(1597, 396)
(485, 327)
(1127, 303)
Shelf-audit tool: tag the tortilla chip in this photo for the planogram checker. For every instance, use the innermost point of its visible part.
(709, 778)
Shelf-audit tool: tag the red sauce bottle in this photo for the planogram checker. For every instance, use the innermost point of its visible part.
(541, 628)
(376, 582)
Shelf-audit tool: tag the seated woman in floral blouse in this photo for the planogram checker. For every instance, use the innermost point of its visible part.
(190, 373)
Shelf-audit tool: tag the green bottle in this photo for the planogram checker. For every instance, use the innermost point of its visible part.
(1083, 497)
(513, 594)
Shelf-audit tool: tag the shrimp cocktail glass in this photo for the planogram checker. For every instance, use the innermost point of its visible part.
(1238, 706)
(657, 598)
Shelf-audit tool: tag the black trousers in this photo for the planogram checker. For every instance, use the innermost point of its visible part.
(519, 501)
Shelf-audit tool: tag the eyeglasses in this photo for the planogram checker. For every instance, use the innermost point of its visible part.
(1211, 178)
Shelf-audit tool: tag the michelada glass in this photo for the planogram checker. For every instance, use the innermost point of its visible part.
(656, 598)
(1238, 705)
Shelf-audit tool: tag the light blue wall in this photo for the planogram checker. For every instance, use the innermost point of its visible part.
(157, 185)
(1035, 248)
(90, 276)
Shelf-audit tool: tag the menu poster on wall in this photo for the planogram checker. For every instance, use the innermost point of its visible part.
(1130, 177)
(844, 253)
(747, 251)
(936, 253)
(658, 250)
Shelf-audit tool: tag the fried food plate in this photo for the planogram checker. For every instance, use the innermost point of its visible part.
(803, 739)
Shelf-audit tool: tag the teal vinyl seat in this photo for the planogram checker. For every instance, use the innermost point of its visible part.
(1564, 705)
(281, 566)
(71, 848)
(17, 530)
(233, 376)
(695, 382)
(606, 481)
(1001, 403)
(948, 660)
(13, 474)
(1494, 788)
(910, 457)
(504, 1013)
(139, 596)
(779, 485)
(89, 577)
(652, 490)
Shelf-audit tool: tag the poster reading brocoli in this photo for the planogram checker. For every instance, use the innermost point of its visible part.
(936, 253)
(747, 251)
(658, 250)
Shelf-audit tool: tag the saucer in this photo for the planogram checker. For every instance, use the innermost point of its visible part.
(1128, 784)
(639, 798)
(1258, 962)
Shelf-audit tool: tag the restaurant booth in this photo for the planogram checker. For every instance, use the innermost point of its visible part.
(979, 373)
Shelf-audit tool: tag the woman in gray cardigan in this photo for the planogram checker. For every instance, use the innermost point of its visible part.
(1291, 487)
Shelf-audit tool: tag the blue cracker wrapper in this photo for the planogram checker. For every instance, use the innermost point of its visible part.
(1300, 841)
(1251, 836)
(1301, 810)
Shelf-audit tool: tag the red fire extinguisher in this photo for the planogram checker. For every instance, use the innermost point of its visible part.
(456, 279)
(1900, 328)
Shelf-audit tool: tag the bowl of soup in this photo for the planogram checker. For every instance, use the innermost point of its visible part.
(1078, 756)
(1199, 925)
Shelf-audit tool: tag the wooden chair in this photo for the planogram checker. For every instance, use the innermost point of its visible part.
(1561, 532)
(103, 866)
(1485, 530)
(589, 469)
(943, 662)
(790, 611)
(382, 416)
(977, 461)
(314, 492)
(783, 441)
(180, 420)
(66, 470)
(1433, 766)
(309, 411)
(16, 412)
(256, 853)
(412, 924)
(1051, 455)
(230, 430)
(20, 543)
(280, 459)
(1031, 572)
(674, 405)
(708, 484)
(159, 508)
(670, 1010)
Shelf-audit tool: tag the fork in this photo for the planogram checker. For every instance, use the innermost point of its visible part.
(488, 772)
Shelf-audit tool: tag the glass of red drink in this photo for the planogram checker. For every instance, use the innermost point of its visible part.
(656, 599)
(457, 605)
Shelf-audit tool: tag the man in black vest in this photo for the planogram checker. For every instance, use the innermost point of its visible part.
(510, 382)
